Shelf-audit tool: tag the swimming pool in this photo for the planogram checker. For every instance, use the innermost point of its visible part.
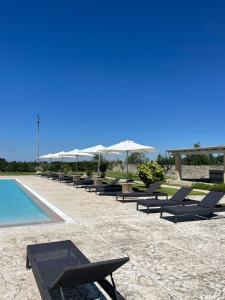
(19, 206)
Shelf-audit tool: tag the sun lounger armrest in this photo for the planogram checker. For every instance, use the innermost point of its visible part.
(88, 273)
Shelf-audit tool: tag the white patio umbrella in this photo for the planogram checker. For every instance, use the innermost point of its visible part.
(59, 155)
(47, 156)
(99, 149)
(130, 146)
(75, 153)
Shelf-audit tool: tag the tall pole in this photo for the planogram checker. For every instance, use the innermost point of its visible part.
(99, 161)
(38, 137)
(127, 164)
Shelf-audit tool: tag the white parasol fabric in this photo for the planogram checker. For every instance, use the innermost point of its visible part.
(75, 153)
(98, 149)
(130, 146)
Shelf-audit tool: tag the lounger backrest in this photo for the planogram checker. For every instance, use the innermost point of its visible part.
(211, 199)
(153, 188)
(88, 273)
(181, 194)
(114, 181)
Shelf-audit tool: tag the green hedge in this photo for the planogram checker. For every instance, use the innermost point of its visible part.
(14, 166)
(220, 187)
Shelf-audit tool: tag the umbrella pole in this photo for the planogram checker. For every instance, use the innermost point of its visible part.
(76, 162)
(99, 161)
(127, 164)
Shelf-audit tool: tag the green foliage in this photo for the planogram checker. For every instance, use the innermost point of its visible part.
(103, 166)
(13, 166)
(165, 161)
(136, 158)
(220, 187)
(89, 173)
(150, 172)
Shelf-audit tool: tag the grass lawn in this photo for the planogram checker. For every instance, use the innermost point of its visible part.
(169, 190)
(121, 175)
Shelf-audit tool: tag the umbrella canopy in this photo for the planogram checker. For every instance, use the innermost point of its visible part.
(47, 156)
(130, 146)
(75, 153)
(99, 149)
(60, 155)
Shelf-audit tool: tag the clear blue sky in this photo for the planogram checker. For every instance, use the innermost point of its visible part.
(99, 72)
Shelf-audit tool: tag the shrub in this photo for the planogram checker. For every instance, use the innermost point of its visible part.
(150, 172)
(89, 173)
(220, 187)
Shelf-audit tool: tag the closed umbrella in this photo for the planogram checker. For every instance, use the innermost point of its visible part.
(130, 146)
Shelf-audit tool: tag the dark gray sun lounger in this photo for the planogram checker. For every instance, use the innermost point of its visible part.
(204, 208)
(60, 265)
(179, 198)
(83, 183)
(151, 191)
(109, 190)
(92, 188)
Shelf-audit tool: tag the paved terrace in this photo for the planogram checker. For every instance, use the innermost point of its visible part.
(167, 261)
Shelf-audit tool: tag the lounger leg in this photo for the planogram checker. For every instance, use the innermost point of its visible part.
(161, 213)
(137, 206)
(115, 290)
(176, 219)
(27, 264)
(61, 293)
(148, 210)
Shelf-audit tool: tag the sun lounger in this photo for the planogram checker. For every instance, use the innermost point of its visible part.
(151, 191)
(65, 178)
(108, 189)
(204, 208)
(92, 188)
(60, 265)
(83, 183)
(179, 198)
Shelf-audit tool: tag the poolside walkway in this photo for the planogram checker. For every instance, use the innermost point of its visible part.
(167, 261)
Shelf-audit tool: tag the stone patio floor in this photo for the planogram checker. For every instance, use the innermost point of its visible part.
(167, 260)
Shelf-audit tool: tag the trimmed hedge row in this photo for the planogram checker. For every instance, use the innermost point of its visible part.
(220, 187)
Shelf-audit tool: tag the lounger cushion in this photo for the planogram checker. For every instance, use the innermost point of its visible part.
(187, 210)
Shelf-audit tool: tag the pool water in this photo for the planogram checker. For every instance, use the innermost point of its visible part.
(17, 206)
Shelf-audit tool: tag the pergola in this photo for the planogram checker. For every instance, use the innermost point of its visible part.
(177, 153)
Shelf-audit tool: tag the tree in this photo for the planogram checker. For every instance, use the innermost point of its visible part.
(166, 161)
(136, 158)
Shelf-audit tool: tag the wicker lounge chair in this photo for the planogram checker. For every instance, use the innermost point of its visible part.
(179, 198)
(60, 265)
(151, 191)
(204, 208)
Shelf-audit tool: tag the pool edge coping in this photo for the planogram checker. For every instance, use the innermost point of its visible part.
(66, 218)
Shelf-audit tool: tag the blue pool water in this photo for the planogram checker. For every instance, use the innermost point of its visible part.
(17, 206)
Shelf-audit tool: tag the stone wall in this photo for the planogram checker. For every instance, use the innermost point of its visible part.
(195, 171)
(188, 171)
